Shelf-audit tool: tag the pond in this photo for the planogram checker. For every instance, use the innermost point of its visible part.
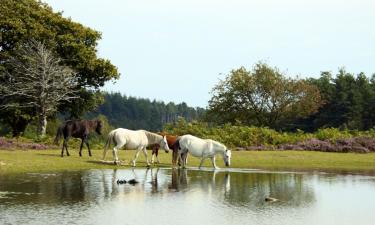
(191, 196)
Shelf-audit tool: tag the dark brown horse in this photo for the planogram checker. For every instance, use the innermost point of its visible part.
(77, 129)
(172, 144)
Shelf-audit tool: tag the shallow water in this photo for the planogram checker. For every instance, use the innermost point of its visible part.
(166, 196)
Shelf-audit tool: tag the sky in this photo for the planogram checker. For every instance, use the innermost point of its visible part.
(177, 50)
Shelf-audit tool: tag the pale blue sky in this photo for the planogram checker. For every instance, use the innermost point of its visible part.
(176, 50)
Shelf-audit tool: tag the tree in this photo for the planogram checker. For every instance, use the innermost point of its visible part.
(262, 97)
(22, 20)
(348, 101)
(36, 80)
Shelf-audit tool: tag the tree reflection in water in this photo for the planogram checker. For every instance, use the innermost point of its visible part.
(233, 188)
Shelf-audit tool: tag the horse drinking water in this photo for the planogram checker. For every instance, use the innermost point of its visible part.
(133, 140)
(203, 149)
(77, 129)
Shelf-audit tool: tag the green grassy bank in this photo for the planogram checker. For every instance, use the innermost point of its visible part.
(21, 161)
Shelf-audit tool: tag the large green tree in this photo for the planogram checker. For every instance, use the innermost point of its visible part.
(262, 97)
(22, 20)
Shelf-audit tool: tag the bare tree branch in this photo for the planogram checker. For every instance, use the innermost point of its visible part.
(35, 78)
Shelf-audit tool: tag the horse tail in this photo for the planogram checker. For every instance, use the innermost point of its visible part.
(59, 134)
(108, 143)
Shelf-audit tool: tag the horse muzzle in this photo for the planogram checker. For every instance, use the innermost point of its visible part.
(227, 164)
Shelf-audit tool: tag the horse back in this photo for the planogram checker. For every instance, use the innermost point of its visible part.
(131, 138)
(75, 128)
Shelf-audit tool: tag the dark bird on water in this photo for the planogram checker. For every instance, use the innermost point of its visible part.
(121, 181)
(132, 181)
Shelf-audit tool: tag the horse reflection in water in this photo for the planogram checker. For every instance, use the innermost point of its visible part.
(179, 179)
(161, 181)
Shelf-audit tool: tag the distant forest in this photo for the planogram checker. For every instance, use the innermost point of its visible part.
(141, 113)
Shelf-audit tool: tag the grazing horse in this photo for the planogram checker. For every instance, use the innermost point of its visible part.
(77, 129)
(133, 140)
(171, 139)
(202, 148)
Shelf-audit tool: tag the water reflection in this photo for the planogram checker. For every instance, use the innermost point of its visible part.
(244, 191)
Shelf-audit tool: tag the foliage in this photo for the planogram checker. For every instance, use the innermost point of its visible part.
(22, 20)
(262, 97)
(36, 80)
(245, 136)
(140, 113)
(349, 102)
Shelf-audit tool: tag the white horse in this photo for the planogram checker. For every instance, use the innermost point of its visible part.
(202, 148)
(133, 140)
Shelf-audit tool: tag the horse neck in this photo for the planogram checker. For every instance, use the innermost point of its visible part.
(219, 148)
(153, 138)
(91, 124)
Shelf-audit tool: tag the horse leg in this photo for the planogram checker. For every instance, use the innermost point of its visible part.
(88, 146)
(174, 157)
(202, 160)
(80, 148)
(146, 156)
(66, 146)
(180, 155)
(152, 157)
(62, 150)
(115, 157)
(153, 153)
(136, 156)
(157, 156)
(214, 163)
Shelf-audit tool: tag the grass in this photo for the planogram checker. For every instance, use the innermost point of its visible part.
(21, 161)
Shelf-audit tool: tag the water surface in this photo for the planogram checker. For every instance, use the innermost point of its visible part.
(166, 196)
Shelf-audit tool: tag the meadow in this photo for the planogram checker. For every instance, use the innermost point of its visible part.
(33, 161)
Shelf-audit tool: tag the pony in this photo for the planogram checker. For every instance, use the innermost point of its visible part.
(172, 144)
(77, 129)
(133, 140)
(203, 149)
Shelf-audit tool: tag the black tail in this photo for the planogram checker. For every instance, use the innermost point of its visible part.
(59, 133)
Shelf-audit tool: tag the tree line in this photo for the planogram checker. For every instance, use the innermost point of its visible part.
(142, 113)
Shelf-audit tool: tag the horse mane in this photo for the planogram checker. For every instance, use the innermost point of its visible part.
(217, 144)
(91, 123)
(152, 137)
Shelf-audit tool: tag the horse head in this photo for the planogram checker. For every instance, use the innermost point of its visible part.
(164, 144)
(227, 155)
(99, 126)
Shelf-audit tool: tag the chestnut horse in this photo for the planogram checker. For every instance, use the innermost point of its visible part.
(172, 144)
(77, 129)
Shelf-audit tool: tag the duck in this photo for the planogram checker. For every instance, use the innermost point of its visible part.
(121, 181)
(133, 181)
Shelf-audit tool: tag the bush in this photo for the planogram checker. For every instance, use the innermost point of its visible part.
(261, 138)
